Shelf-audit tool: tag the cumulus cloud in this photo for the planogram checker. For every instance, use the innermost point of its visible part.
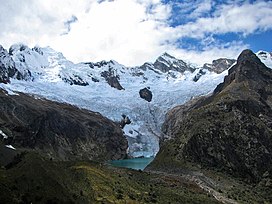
(199, 57)
(245, 19)
(131, 31)
(35, 21)
(201, 8)
(123, 30)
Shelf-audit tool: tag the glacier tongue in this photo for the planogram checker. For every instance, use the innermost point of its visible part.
(52, 76)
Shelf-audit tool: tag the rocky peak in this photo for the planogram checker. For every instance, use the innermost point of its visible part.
(166, 63)
(17, 48)
(7, 67)
(5, 59)
(219, 65)
(248, 55)
(104, 63)
(167, 57)
(248, 68)
(28, 61)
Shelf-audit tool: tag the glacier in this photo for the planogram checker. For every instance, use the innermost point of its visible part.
(48, 74)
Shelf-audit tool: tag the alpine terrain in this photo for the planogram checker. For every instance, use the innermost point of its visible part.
(140, 94)
(227, 131)
(208, 127)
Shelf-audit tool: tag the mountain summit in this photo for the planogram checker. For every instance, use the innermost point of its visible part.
(167, 62)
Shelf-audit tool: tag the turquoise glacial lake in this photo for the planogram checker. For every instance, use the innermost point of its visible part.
(135, 163)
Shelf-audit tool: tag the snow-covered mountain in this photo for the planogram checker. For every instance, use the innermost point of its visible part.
(113, 89)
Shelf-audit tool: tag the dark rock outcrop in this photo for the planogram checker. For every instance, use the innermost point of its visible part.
(75, 80)
(59, 130)
(112, 79)
(146, 94)
(231, 130)
(125, 121)
(199, 75)
(95, 79)
(219, 65)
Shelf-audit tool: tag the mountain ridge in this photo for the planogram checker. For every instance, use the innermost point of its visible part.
(230, 130)
(113, 89)
(57, 130)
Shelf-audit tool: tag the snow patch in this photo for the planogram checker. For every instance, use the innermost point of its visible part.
(11, 147)
(3, 134)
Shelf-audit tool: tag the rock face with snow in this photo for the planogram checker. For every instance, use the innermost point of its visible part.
(199, 74)
(112, 79)
(112, 89)
(166, 62)
(7, 67)
(219, 65)
(230, 130)
(27, 60)
(59, 130)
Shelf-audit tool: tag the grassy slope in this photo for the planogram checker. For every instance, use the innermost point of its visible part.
(35, 179)
(228, 186)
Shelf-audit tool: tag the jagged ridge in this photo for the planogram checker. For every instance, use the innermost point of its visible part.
(113, 89)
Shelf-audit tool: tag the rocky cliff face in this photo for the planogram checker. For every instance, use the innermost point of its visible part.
(219, 65)
(167, 63)
(7, 67)
(230, 130)
(112, 79)
(59, 130)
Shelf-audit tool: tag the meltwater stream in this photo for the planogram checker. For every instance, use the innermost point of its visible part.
(135, 163)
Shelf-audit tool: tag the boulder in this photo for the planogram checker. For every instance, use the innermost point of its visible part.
(146, 94)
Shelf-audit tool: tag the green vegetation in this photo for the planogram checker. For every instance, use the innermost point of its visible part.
(224, 140)
(36, 179)
(229, 186)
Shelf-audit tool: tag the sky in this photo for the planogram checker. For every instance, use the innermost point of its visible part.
(136, 31)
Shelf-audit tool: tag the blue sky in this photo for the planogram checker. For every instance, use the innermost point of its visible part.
(135, 31)
(257, 40)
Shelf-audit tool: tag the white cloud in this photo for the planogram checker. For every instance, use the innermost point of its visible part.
(228, 50)
(201, 8)
(128, 31)
(122, 30)
(33, 21)
(246, 19)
